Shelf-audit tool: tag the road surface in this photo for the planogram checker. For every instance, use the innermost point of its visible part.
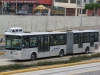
(69, 70)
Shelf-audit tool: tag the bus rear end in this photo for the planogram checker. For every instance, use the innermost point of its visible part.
(82, 41)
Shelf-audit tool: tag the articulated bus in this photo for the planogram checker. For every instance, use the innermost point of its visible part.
(22, 46)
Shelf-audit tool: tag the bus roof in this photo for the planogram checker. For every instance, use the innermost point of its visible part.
(41, 33)
(81, 31)
(35, 33)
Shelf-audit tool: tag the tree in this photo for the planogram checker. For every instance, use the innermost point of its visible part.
(93, 6)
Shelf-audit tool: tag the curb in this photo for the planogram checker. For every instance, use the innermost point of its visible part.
(47, 67)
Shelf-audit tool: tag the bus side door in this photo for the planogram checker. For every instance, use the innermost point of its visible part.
(91, 39)
(43, 46)
(47, 45)
(80, 44)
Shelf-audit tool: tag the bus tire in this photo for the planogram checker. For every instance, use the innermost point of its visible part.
(87, 50)
(61, 53)
(33, 57)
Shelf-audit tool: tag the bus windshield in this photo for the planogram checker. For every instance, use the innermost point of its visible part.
(13, 42)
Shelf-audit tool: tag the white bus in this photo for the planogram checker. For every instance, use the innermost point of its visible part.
(35, 45)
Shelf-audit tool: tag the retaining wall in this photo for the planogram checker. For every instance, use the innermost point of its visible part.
(47, 23)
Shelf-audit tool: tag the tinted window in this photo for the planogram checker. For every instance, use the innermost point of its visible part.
(33, 41)
(26, 40)
(76, 37)
(20, 30)
(96, 37)
(86, 37)
(16, 30)
(13, 42)
(59, 39)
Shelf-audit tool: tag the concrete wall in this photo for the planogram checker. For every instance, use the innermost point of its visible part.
(47, 23)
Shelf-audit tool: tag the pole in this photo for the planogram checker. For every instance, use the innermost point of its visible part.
(65, 11)
(16, 7)
(81, 15)
(2, 7)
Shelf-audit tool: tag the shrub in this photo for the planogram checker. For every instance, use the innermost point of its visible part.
(95, 55)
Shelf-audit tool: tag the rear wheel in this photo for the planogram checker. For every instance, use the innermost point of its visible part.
(87, 50)
(33, 56)
(61, 53)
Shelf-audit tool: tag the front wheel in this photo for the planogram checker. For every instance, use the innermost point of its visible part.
(61, 53)
(33, 57)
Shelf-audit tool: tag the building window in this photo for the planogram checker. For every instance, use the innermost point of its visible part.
(72, 1)
(84, 0)
(57, 11)
(64, 1)
(91, 1)
(83, 11)
(78, 2)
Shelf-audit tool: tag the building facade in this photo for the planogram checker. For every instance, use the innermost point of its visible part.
(73, 7)
(27, 5)
(58, 7)
(90, 12)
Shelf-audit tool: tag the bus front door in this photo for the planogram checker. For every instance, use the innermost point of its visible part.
(43, 46)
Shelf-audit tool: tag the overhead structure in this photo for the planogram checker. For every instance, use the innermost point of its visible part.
(40, 7)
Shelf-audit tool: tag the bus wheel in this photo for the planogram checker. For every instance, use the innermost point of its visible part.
(33, 56)
(61, 53)
(87, 50)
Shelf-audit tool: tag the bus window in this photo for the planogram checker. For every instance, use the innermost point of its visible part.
(80, 43)
(26, 42)
(20, 30)
(51, 38)
(76, 38)
(55, 40)
(40, 44)
(13, 42)
(46, 43)
(86, 37)
(91, 39)
(96, 36)
(33, 41)
(16, 30)
(62, 39)
(58, 39)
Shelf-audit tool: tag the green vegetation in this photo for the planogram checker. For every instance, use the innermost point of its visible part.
(71, 60)
(93, 6)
